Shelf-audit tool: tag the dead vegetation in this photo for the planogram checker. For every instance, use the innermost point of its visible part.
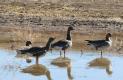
(65, 9)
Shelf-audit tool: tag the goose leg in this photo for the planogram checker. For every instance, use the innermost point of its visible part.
(60, 53)
(36, 59)
(101, 54)
(64, 53)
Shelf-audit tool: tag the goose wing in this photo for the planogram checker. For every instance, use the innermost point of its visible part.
(97, 43)
(61, 43)
(33, 50)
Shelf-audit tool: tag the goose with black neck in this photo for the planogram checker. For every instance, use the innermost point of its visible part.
(101, 44)
(64, 44)
(38, 51)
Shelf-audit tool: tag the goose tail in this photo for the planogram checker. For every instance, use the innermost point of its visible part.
(88, 40)
(23, 51)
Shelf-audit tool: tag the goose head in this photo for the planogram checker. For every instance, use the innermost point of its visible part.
(28, 43)
(108, 36)
(70, 28)
(48, 45)
(51, 39)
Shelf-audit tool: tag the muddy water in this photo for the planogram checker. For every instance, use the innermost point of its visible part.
(89, 66)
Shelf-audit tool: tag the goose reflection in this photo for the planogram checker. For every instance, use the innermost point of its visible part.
(24, 56)
(102, 63)
(63, 63)
(37, 70)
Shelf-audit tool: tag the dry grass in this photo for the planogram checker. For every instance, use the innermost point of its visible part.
(78, 9)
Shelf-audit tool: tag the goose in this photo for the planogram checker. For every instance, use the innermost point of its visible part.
(28, 45)
(101, 44)
(38, 51)
(64, 44)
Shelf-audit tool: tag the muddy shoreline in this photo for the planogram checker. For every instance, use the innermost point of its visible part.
(16, 37)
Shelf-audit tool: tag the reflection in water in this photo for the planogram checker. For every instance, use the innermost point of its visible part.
(24, 56)
(63, 62)
(21, 56)
(37, 70)
(102, 63)
(10, 67)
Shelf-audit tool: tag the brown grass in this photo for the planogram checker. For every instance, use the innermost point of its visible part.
(79, 9)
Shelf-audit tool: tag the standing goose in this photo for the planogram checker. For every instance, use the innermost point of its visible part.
(100, 44)
(64, 44)
(38, 51)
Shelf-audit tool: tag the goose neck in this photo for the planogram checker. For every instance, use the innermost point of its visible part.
(48, 45)
(68, 35)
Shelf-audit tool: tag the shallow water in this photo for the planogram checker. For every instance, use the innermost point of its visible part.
(11, 67)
